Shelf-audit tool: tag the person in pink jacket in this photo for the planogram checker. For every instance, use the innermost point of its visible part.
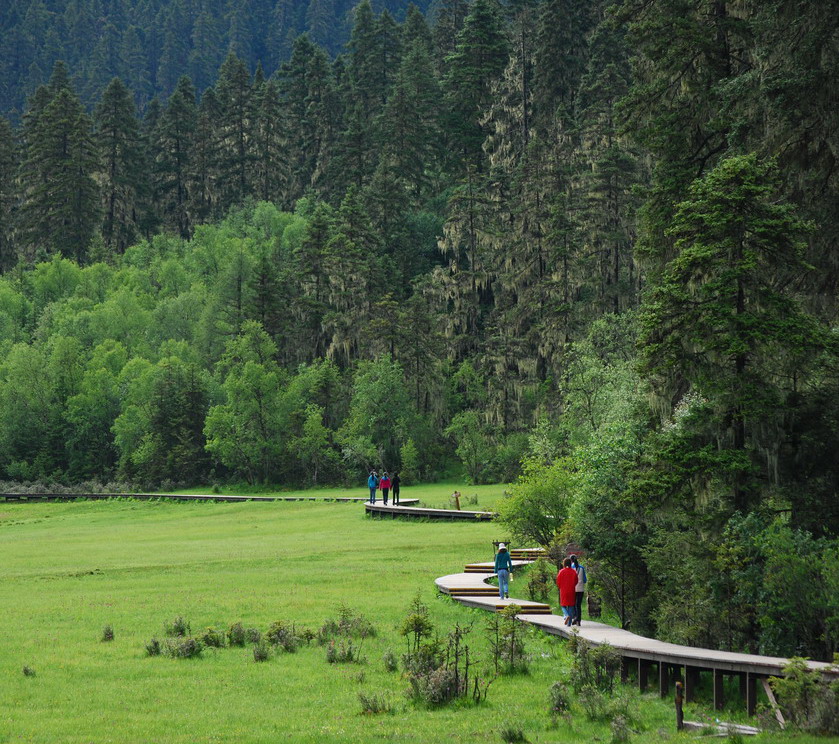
(384, 484)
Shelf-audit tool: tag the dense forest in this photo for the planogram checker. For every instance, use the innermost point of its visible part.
(588, 248)
(150, 44)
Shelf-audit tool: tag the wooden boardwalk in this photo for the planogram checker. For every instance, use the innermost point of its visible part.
(24, 497)
(640, 656)
(406, 510)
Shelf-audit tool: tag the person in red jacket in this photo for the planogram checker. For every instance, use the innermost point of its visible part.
(566, 582)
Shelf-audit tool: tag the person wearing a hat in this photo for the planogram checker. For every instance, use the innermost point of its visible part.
(503, 567)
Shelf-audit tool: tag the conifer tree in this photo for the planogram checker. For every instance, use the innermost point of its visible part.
(134, 67)
(8, 195)
(409, 126)
(722, 321)
(204, 58)
(61, 199)
(235, 100)
(559, 58)
(121, 159)
(415, 29)
(174, 136)
(204, 173)
(270, 165)
(448, 16)
(477, 63)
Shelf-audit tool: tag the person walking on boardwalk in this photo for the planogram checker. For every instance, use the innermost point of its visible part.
(373, 484)
(503, 567)
(394, 487)
(384, 484)
(566, 582)
(582, 579)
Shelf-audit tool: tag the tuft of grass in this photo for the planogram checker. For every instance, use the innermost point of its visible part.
(236, 635)
(512, 735)
(28, 671)
(183, 648)
(212, 638)
(177, 628)
(374, 704)
(153, 648)
(261, 651)
(390, 661)
(107, 634)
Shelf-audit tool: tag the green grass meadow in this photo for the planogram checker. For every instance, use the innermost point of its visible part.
(69, 569)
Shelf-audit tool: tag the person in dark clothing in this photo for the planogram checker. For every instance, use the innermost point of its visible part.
(582, 579)
(394, 488)
(566, 582)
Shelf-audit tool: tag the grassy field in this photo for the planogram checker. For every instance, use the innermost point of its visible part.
(69, 569)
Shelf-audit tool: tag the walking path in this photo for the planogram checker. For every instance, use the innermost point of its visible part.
(178, 497)
(639, 654)
(405, 510)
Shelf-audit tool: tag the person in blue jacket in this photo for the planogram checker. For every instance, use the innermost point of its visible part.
(373, 484)
(503, 567)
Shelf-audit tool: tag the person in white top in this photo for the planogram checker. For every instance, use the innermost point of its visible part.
(581, 588)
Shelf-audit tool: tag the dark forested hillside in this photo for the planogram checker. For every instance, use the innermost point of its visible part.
(592, 246)
(150, 44)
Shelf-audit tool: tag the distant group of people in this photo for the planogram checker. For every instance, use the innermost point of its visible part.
(571, 582)
(387, 484)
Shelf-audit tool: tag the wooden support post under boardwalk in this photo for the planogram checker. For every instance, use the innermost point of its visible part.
(680, 716)
(751, 693)
(643, 674)
(663, 679)
(691, 683)
(719, 698)
(624, 669)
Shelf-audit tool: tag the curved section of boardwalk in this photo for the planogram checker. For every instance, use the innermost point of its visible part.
(639, 654)
(406, 510)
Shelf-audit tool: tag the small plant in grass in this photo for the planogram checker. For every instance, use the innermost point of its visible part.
(177, 628)
(506, 640)
(107, 634)
(184, 648)
(593, 702)
(512, 735)
(621, 733)
(343, 652)
(153, 648)
(560, 700)
(308, 635)
(439, 675)
(282, 635)
(236, 635)
(390, 661)
(28, 671)
(540, 580)
(261, 651)
(373, 705)
(212, 638)
(253, 635)
(348, 624)
(596, 667)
